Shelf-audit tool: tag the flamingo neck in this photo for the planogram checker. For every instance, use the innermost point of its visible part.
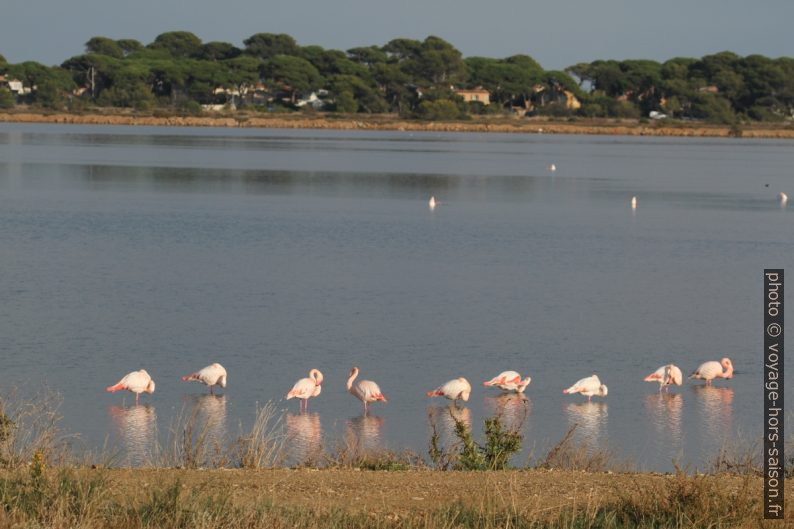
(351, 379)
(727, 373)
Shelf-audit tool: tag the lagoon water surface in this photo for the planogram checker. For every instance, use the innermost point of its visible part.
(275, 251)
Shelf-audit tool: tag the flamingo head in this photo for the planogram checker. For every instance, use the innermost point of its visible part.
(317, 376)
(728, 367)
(353, 372)
(464, 395)
(222, 381)
(603, 390)
(523, 384)
(150, 387)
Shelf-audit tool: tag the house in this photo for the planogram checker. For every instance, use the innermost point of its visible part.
(219, 107)
(311, 100)
(16, 86)
(710, 89)
(479, 95)
(571, 101)
(556, 94)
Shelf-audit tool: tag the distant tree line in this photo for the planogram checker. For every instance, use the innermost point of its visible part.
(414, 78)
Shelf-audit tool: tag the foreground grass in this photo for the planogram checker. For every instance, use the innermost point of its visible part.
(37, 496)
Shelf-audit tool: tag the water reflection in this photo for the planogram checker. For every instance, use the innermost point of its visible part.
(364, 432)
(443, 422)
(136, 426)
(664, 410)
(590, 419)
(513, 408)
(304, 437)
(210, 413)
(715, 407)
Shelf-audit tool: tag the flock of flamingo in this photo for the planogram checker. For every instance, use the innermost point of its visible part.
(457, 389)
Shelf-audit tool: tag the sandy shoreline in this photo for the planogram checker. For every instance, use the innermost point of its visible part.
(393, 123)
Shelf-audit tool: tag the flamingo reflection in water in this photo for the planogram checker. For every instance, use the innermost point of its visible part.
(512, 408)
(304, 437)
(444, 420)
(664, 411)
(363, 433)
(136, 427)
(209, 411)
(715, 406)
(590, 419)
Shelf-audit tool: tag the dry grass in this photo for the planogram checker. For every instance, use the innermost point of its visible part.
(264, 445)
(568, 454)
(31, 425)
(42, 497)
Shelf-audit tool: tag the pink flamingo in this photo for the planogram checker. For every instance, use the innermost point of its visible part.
(306, 388)
(366, 390)
(666, 375)
(509, 381)
(458, 388)
(588, 387)
(212, 375)
(708, 371)
(137, 382)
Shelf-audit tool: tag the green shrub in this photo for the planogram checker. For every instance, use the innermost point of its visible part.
(438, 110)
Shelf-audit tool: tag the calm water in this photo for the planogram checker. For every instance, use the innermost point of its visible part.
(273, 252)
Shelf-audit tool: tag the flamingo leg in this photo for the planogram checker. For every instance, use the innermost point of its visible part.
(306, 405)
(137, 396)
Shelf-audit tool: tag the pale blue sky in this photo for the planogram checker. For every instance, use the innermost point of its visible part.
(557, 33)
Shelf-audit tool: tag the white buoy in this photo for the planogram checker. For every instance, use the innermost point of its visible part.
(432, 203)
(633, 202)
(551, 167)
(783, 198)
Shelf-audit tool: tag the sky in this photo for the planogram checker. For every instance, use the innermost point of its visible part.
(557, 33)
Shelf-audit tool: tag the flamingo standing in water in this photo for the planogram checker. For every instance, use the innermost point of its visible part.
(708, 371)
(666, 375)
(306, 388)
(432, 203)
(365, 390)
(509, 381)
(137, 382)
(458, 388)
(212, 375)
(588, 387)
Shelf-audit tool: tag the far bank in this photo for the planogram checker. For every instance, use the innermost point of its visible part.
(391, 122)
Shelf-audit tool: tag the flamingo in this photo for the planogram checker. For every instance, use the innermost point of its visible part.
(633, 202)
(366, 390)
(551, 167)
(588, 386)
(783, 198)
(708, 371)
(509, 381)
(212, 375)
(458, 388)
(306, 388)
(432, 203)
(137, 382)
(666, 375)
